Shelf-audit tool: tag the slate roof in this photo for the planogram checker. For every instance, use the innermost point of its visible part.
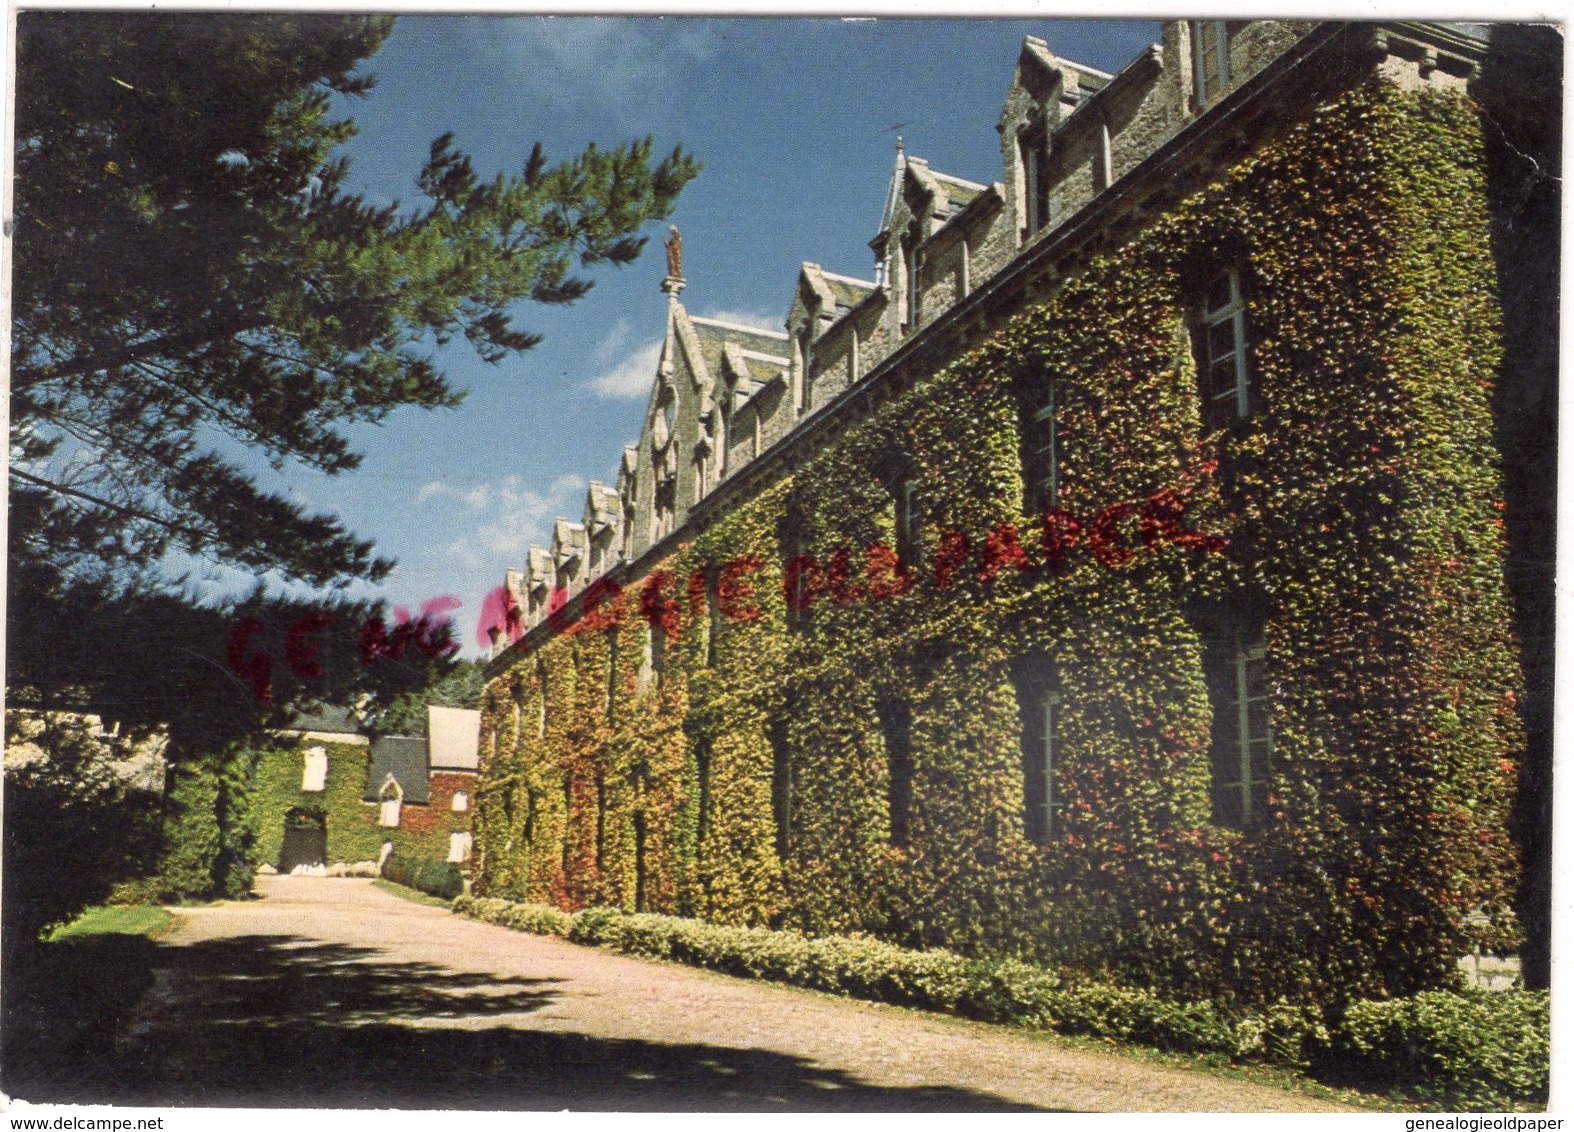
(849, 292)
(330, 719)
(568, 540)
(959, 193)
(602, 505)
(404, 757)
(713, 335)
(748, 390)
(539, 571)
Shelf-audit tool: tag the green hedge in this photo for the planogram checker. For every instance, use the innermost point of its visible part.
(436, 878)
(1485, 1049)
(1478, 1050)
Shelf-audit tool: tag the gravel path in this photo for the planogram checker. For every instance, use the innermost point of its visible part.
(333, 992)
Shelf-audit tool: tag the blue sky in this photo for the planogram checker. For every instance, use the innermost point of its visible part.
(796, 123)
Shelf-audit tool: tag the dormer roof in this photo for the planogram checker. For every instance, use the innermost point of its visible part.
(1058, 85)
(602, 507)
(538, 571)
(568, 541)
(745, 366)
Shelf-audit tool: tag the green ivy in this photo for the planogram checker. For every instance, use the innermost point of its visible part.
(1361, 505)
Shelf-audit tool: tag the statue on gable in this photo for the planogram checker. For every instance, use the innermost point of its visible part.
(674, 246)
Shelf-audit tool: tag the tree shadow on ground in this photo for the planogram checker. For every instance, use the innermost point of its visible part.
(280, 1021)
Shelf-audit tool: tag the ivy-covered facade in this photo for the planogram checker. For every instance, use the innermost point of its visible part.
(1115, 581)
(325, 794)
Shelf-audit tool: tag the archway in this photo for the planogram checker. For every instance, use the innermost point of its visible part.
(305, 838)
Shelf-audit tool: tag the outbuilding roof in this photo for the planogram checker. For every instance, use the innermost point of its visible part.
(403, 757)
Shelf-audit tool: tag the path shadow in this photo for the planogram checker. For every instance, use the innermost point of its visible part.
(280, 1021)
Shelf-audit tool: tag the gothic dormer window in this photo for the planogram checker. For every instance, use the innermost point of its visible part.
(1210, 43)
(804, 345)
(911, 260)
(1033, 153)
(666, 416)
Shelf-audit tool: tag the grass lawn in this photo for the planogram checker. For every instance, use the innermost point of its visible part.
(414, 895)
(132, 919)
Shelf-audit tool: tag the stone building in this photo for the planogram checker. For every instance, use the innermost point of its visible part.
(327, 797)
(1114, 578)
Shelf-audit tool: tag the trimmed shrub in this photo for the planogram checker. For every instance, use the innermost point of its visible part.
(1476, 1049)
(1484, 1049)
(436, 878)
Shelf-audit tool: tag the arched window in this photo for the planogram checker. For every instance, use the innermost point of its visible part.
(390, 799)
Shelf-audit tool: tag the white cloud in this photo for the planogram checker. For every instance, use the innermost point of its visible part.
(593, 62)
(628, 369)
(516, 516)
(475, 498)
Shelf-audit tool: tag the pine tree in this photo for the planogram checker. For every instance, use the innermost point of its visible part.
(191, 275)
(189, 265)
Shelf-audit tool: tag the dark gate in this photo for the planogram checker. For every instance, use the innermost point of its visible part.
(305, 839)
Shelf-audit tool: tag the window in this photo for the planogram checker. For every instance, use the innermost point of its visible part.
(1236, 667)
(458, 848)
(909, 519)
(910, 264)
(799, 570)
(1038, 702)
(781, 781)
(612, 678)
(314, 776)
(1032, 151)
(652, 669)
(461, 802)
(1041, 447)
(1210, 41)
(712, 623)
(640, 867)
(702, 816)
(390, 798)
(1222, 353)
(805, 352)
(896, 730)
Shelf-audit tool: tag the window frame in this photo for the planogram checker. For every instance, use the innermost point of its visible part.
(1039, 700)
(1240, 396)
(1207, 90)
(1041, 484)
(1033, 153)
(905, 496)
(1237, 660)
(894, 716)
